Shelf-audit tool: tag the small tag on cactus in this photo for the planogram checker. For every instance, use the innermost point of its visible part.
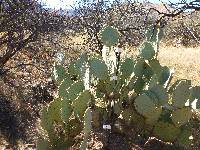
(107, 127)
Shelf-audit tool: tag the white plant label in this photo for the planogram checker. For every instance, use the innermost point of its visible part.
(107, 127)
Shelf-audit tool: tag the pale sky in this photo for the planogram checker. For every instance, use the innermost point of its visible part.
(66, 3)
(58, 3)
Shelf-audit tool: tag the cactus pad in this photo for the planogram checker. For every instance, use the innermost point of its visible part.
(184, 138)
(147, 51)
(46, 121)
(195, 93)
(74, 90)
(87, 128)
(99, 69)
(66, 110)
(109, 36)
(181, 93)
(154, 116)
(127, 68)
(164, 75)
(153, 81)
(43, 145)
(155, 65)
(144, 105)
(54, 110)
(148, 71)
(166, 131)
(75, 67)
(181, 116)
(154, 34)
(161, 94)
(80, 104)
(139, 68)
(139, 85)
(64, 86)
(59, 73)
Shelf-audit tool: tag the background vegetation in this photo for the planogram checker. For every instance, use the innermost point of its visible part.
(32, 38)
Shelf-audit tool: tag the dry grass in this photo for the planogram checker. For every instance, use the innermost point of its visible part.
(185, 61)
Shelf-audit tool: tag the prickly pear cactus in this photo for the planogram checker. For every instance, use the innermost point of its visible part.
(64, 112)
(138, 94)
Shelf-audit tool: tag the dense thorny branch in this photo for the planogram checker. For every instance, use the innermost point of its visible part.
(177, 9)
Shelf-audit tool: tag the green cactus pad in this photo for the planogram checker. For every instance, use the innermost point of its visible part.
(147, 51)
(155, 65)
(66, 83)
(164, 75)
(75, 67)
(153, 97)
(110, 85)
(127, 68)
(46, 120)
(144, 105)
(181, 116)
(154, 34)
(87, 121)
(99, 69)
(181, 93)
(166, 131)
(101, 87)
(109, 36)
(99, 94)
(59, 73)
(59, 144)
(161, 94)
(148, 71)
(66, 110)
(154, 116)
(54, 110)
(74, 90)
(131, 83)
(173, 86)
(139, 68)
(153, 81)
(195, 93)
(184, 138)
(131, 116)
(80, 104)
(43, 145)
(139, 85)
(87, 128)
